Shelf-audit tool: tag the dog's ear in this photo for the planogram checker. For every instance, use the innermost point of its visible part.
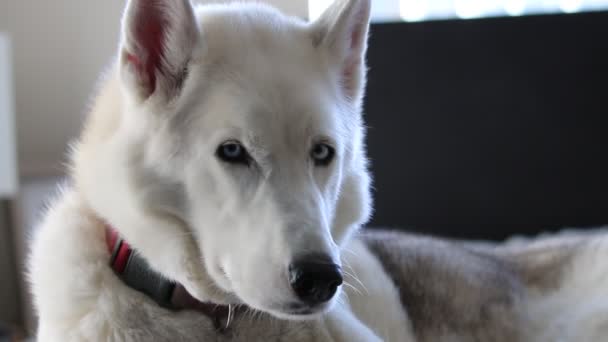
(158, 37)
(342, 31)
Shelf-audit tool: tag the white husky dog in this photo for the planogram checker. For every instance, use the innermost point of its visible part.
(224, 159)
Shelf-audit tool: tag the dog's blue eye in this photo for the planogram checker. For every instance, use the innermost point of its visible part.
(233, 152)
(322, 154)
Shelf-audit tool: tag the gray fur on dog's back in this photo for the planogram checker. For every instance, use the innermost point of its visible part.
(451, 292)
(546, 288)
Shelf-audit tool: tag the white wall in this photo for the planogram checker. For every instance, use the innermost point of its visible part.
(60, 46)
(293, 7)
(8, 173)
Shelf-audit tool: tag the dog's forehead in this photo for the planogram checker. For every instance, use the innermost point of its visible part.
(239, 34)
(278, 81)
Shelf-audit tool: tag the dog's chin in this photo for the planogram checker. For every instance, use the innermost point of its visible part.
(300, 312)
(298, 316)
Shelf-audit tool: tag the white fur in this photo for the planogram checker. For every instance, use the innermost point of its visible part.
(146, 164)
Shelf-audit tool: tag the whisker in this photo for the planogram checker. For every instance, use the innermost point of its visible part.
(352, 287)
(229, 315)
(346, 249)
(355, 278)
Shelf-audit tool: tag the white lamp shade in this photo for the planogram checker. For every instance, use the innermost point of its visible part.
(8, 164)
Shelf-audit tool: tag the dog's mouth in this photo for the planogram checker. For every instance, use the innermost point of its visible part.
(294, 309)
(299, 311)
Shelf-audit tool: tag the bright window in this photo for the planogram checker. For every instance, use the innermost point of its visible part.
(416, 10)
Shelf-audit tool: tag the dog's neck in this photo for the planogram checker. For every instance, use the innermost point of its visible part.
(137, 274)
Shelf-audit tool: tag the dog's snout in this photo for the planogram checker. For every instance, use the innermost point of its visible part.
(315, 279)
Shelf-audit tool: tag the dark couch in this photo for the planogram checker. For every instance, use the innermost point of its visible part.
(492, 127)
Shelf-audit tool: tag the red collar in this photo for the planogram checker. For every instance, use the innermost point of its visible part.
(120, 250)
(137, 274)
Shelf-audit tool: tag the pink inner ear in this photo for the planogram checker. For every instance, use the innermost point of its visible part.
(355, 38)
(351, 62)
(357, 35)
(348, 81)
(149, 33)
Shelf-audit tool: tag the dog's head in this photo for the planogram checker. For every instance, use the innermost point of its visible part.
(253, 121)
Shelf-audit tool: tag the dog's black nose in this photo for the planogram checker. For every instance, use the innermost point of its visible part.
(315, 279)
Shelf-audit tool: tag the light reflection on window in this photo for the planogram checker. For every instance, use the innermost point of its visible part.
(418, 10)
